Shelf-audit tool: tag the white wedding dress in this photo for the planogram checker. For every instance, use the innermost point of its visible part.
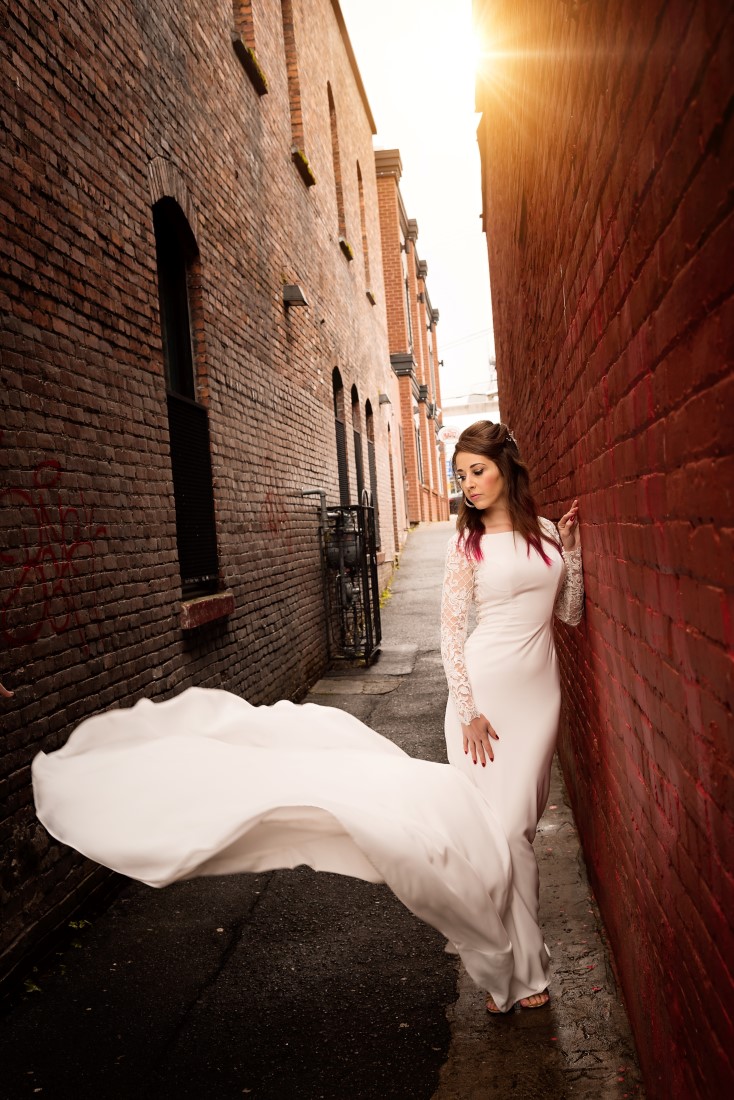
(206, 784)
(507, 671)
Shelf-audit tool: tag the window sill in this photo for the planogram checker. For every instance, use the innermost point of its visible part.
(205, 609)
(300, 160)
(248, 60)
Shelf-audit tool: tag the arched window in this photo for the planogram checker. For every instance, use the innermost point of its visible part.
(357, 429)
(243, 40)
(372, 465)
(337, 167)
(363, 224)
(188, 419)
(294, 95)
(341, 436)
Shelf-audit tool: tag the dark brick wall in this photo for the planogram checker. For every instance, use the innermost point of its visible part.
(105, 108)
(607, 157)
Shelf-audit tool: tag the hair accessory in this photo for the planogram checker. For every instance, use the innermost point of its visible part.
(512, 436)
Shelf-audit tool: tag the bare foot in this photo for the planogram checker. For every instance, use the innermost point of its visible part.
(536, 1001)
(492, 1007)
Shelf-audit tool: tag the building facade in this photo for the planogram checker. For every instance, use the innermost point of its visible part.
(194, 333)
(413, 347)
(606, 140)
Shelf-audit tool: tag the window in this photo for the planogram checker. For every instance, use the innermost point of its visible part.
(372, 464)
(357, 430)
(243, 40)
(294, 94)
(408, 315)
(418, 451)
(337, 167)
(406, 482)
(393, 497)
(341, 437)
(363, 223)
(188, 420)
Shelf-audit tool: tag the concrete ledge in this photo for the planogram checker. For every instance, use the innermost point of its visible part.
(205, 609)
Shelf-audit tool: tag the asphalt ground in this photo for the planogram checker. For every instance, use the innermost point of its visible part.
(312, 986)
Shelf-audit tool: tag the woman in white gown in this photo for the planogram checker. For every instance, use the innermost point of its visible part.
(206, 784)
(504, 689)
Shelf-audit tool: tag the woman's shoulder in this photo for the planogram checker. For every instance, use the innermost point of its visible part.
(548, 527)
(456, 547)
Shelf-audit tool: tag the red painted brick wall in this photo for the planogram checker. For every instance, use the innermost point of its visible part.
(607, 152)
(104, 108)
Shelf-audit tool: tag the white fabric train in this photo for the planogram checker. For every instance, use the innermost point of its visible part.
(206, 784)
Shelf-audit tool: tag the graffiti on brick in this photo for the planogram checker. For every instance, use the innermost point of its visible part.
(277, 521)
(51, 543)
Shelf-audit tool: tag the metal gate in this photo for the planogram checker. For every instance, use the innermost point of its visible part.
(351, 584)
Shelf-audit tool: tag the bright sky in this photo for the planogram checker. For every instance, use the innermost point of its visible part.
(416, 58)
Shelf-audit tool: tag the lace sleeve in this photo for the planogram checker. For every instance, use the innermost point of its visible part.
(569, 604)
(456, 598)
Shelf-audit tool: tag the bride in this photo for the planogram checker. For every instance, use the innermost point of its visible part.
(206, 784)
(504, 688)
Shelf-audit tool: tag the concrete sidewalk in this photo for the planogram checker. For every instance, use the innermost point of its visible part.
(317, 987)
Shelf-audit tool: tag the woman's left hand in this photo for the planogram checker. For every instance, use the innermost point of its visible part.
(568, 528)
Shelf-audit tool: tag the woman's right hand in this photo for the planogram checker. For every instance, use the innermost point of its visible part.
(478, 737)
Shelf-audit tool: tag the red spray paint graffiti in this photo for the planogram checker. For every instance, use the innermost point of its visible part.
(52, 560)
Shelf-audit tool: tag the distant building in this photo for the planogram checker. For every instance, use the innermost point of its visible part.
(413, 348)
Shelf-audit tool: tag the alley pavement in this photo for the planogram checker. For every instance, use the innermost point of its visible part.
(294, 985)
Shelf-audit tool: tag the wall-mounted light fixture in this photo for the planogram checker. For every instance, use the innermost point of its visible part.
(293, 295)
(384, 399)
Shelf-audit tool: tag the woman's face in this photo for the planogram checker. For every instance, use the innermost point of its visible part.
(480, 479)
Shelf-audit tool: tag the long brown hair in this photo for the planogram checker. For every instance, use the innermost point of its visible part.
(495, 442)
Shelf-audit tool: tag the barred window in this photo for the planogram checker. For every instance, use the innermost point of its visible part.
(188, 418)
(341, 437)
(357, 431)
(372, 465)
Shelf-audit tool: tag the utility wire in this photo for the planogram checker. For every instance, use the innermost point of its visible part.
(466, 339)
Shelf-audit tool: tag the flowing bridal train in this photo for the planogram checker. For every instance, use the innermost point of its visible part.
(206, 784)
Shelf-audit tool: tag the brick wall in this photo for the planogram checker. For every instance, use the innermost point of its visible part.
(105, 109)
(607, 149)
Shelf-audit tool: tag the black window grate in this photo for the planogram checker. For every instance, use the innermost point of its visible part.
(359, 464)
(372, 462)
(188, 424)
(341, 461)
